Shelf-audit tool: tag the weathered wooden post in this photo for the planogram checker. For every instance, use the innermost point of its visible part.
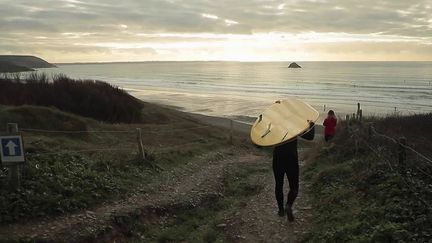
(141, 152)
(402, 155)
(231, 131)
(358, 109)
(360, 115)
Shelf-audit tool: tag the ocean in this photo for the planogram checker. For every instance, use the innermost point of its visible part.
(242, 90)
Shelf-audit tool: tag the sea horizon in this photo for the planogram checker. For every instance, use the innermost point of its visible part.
(233, 61)
(244, 89)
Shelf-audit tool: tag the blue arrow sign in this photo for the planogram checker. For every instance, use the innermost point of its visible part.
(11, 149)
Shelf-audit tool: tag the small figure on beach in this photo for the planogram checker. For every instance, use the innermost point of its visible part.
(285, 161)
(330, 125)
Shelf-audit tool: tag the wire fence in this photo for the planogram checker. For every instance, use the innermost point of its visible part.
(131, 142)
(132, 147)
(413, 167)
(112, 131)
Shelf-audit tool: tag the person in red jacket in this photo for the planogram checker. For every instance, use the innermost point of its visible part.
(330, 125)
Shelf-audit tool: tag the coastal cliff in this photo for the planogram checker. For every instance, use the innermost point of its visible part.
(18, 63)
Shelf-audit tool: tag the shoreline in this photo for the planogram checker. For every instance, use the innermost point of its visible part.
(239, 126)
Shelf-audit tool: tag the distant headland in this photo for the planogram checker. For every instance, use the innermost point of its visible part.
(21, 63)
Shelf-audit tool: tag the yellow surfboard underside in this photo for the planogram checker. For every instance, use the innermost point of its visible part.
(282, 122)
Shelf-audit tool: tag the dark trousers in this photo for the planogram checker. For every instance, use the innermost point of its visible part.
(328, 137)
(291, 169)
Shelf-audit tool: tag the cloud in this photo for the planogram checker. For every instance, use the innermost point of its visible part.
(165, 24)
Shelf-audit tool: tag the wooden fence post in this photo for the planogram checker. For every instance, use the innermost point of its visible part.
(402, 155)
(360, 115)
(370, 131)
(347, 118)
(358, 109)
(231, 132)
(140, 145)
(14, 174)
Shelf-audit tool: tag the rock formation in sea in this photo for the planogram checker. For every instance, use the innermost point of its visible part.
(294, 65)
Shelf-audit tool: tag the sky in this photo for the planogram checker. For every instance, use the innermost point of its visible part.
(238, 30)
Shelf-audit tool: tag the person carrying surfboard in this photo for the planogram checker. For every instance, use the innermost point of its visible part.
(279, 126)
(330, 125)
(285, 161)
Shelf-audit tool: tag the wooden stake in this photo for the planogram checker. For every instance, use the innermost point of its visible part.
(358, 109)
(140, 145)
(231, 132)
(370, 131)
(402, 155)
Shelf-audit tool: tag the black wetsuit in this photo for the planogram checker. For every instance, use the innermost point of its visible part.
(285, 161)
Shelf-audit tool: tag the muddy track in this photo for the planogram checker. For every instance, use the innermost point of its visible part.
(185, 187)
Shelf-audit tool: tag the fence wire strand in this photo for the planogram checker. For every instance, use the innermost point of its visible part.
(83, 151)
(166, 148)
(64, 131)
(428, 160)
(113, 131)
(404, 179)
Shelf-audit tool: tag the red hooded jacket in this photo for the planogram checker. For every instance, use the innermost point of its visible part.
(330, 125)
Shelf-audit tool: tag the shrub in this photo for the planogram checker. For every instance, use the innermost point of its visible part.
(95, 99)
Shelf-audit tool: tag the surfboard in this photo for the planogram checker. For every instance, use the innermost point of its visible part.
(282, 121)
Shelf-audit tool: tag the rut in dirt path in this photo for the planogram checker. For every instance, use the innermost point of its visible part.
(258, 220)
(196, 182)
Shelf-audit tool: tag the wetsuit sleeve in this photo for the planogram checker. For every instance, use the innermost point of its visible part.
(310, 134)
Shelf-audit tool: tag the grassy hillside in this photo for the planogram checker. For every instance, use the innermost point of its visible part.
(26, 61)
(66, 172)
(360, 191)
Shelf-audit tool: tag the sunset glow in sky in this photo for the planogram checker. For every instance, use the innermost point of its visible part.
(240, 30)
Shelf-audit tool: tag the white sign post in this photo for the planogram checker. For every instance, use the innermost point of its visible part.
(12, 154)
(11, 149)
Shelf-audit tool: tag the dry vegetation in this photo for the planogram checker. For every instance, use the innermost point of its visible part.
(363, 194)
(89, 98)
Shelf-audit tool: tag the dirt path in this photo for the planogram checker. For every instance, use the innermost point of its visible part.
(189, 184)
(259, 222)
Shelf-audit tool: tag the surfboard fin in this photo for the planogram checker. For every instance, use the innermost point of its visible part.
(284, 136)
(268, 131)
